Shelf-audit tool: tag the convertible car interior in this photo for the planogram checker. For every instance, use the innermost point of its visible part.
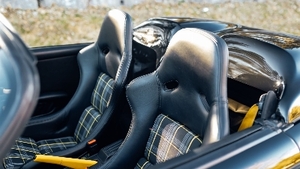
(138, 102)
(104, 67)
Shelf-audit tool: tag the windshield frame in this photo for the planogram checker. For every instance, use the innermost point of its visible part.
(25, 81)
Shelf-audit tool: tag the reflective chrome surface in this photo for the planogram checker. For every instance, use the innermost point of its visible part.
(259, 58)
(264, 155)
(155, 34)
(249, 66)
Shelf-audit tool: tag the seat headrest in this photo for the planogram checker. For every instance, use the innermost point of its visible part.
(114, 40)
(198, 61)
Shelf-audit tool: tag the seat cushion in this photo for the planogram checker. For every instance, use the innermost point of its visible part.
(102, 92)
(25, 150)
(87, 122)
(168, 139)
(54, 145)
(91, 115)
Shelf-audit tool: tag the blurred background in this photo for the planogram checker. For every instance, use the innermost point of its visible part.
(53, 22)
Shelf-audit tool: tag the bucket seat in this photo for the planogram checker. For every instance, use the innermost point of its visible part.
(104, 66)
(181, 106)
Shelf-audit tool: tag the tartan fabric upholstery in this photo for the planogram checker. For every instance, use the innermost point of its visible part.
(143, 163)
(111, 53)
(25, 149)
(102, 92)
(87, 122)
(91, 115)
(168, 139)
(55, 145)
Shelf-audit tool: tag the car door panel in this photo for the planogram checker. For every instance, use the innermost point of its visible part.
(59, 76)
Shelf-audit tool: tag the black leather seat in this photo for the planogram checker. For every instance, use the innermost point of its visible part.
(105, 63)
(180, 106)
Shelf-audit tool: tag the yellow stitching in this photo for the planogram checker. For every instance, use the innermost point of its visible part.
(24, 142)
(138, 165)
(144, 164)
(155, 137)
(95, 119)
(183, 127)
(20, 153)
(102, 97)
(33, 148)
(188, 148)
(172, 142)
(152, 152)
(79, 129)
(18, 157)
(18, 149)
(81, 124)
(106, 84)
(51, 144)
(48, 146)
(63, 143)
(97, 86)
(84, 127)
(161, 136)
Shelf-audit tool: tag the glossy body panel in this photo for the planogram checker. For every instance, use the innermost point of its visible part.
(258, 58)
(268, 153)
(263, 148)
(264, 155)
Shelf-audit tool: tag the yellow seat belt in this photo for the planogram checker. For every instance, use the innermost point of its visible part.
(249, 118)
(65, 161)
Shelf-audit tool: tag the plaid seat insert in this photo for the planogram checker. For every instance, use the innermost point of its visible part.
(25, 149)
(100, 100)
(168, 139)
(54, 145)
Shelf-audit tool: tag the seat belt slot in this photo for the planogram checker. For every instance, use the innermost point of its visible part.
(108, 151)
(92, 147)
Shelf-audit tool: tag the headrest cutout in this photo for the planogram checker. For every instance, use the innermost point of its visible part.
(171, 85)
(105, 50)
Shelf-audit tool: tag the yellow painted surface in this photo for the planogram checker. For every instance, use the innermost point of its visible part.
(249, 118)
(288, 162)
(64, 161)
(294, 114)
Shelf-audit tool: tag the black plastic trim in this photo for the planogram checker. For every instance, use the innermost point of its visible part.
(43, 53)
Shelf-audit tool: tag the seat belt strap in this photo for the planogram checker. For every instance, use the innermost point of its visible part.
(249, 118)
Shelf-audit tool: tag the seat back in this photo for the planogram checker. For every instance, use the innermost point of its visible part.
(111, 59)
(104, 66)
(197, 61)
(180, 106)
(111, 55)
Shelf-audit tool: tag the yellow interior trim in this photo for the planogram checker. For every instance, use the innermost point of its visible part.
(288, 162)
(64, 161)
(249, 118)
(237, 107)
(294, 114)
